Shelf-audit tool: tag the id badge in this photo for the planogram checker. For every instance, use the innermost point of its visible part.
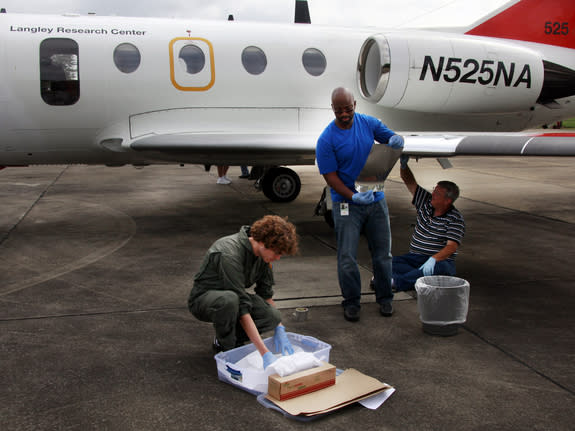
(344, 208)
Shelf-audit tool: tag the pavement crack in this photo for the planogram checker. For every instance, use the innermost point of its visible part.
(518, 360)
(92, 314)
(38, 199)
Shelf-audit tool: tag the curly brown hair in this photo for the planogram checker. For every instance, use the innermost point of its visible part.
(275, 233)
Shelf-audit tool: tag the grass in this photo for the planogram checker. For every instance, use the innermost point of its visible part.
(569, 124)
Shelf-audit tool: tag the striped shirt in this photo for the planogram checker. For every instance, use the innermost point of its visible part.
(432, 233)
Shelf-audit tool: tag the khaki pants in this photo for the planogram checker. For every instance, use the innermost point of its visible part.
(221, 307)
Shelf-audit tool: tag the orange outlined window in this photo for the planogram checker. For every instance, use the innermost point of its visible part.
(192, 64)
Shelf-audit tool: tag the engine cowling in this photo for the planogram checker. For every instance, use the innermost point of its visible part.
(442, 74)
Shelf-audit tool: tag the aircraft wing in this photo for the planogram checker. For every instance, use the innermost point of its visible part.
(490, 144)
(287, 149)
(232, 148)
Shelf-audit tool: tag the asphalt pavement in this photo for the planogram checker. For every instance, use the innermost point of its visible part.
(96, 265)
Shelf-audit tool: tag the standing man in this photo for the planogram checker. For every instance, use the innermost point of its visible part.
(232, 265)
(341, 152)
(438, 232)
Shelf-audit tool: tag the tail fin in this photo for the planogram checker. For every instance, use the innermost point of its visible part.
(301, 12)
(551, 22)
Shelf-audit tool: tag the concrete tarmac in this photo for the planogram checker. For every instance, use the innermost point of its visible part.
(96, 265)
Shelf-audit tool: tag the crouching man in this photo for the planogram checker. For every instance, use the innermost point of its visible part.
(438, 232)
(233, 264)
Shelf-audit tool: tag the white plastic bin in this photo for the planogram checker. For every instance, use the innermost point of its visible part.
(255, 381)
(443, 302)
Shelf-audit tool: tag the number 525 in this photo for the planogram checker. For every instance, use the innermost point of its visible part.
(560, 28)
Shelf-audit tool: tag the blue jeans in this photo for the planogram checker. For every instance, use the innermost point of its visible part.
(406, 269)
(373, 221)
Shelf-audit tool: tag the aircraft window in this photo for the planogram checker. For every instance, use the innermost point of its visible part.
(59, 71)
(192, 59)
(314, 61)
(127, 57)
(254, 60)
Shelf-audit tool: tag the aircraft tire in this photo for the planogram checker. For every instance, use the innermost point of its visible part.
(281, 184)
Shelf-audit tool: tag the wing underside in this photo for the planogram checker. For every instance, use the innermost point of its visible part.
(299, 149)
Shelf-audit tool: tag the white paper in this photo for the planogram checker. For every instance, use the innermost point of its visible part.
(377, 400)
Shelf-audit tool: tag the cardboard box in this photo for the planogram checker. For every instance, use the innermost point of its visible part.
(351, 386)
(301, 383)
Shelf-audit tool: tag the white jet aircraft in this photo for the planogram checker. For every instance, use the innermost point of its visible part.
(114, 90)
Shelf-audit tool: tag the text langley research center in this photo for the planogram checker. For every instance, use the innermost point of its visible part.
(72, 30)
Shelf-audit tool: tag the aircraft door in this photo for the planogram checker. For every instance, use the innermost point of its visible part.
(192, 64)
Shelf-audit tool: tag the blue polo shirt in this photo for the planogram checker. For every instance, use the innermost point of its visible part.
(346, 151)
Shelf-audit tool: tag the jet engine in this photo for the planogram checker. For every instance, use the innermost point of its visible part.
(440, 73)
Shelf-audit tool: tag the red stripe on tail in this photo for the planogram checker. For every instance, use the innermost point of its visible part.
(551, 22)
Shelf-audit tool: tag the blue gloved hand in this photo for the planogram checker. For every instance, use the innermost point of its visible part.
(403, 159)
(396, 142)
(268, 358)
(428, 266)
(281, 341)
(363, 198)
(378, 195)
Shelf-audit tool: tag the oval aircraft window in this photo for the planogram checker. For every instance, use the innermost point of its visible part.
(314, 61)
(127, 57)
(192, 59)
(254, 60)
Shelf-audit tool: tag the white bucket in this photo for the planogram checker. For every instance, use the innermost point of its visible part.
(443, 302)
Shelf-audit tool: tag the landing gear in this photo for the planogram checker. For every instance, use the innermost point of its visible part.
(280, 184)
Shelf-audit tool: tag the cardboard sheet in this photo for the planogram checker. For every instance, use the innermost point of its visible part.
(350, 386)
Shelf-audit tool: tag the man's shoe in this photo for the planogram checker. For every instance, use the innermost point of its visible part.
(386, 309)
(216, 346)
(244, 176)
(351, 313)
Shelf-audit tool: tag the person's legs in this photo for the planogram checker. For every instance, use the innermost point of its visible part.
(406, 270)
(245, 172)
(221, 307)
(222, 177)
(377, 232)
(445, 267)
(347, 230)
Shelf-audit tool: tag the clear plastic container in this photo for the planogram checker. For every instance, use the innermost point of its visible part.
(256, 381)
(443, 302)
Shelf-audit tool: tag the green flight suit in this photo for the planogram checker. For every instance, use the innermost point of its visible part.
(219, 294)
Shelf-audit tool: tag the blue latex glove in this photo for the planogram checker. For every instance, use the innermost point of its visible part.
(378, 195)
(428, 266)
(403, 159)
(268, 358)
(396, 142)
(281, 341)
(363, 198)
